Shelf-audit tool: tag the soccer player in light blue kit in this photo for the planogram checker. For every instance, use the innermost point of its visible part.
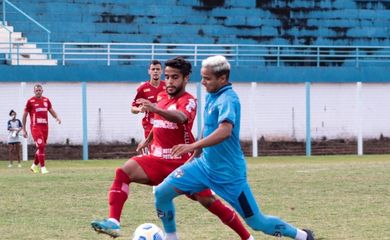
(220, 163)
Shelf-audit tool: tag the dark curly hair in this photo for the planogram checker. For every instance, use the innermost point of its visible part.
(180, 63)
(10, 112)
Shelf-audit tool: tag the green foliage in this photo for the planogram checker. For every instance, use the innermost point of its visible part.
(339, 197)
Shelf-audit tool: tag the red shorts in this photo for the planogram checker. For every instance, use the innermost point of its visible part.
(157, 169)
(40, 134)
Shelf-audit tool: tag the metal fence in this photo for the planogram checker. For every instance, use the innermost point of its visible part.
(74, 53)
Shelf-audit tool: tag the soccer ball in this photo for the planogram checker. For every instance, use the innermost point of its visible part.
(148, 231)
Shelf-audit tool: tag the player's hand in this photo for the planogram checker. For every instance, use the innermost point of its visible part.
(24, 133)
(146, 105)
(58, 120)
(181, 149)
(142, 147)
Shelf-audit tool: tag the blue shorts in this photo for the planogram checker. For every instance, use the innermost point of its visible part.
(192, 178)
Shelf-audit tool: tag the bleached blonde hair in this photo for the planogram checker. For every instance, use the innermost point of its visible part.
(218, 64)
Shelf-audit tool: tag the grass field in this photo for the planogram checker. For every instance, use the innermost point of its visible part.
(339, 197)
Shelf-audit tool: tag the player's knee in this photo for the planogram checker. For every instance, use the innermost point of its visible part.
(206, 201)
(165, 192)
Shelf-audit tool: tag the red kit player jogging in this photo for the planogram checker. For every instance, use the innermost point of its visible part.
(37, 107)
(149, 90)
(174, 115)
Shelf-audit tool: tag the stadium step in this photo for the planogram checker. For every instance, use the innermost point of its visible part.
(43, 62)
(20, 52)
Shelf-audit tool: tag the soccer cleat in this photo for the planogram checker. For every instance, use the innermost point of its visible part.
(34, 169)
(10, 165)
(19, 165)
(310, 234)
(44, 170)
(106, 227)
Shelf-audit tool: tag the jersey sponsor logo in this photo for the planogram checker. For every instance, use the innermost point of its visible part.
(172, 107)
(158, 123)
(150, 97)
(165, 153)
(191, 105)
(41, 109)
(41, 120)
(147, 90)
(178, 173)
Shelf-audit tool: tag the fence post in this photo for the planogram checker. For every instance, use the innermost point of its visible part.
(308, 119)
(4, 12)
(253, 120)
(359, 119)
(85, 123)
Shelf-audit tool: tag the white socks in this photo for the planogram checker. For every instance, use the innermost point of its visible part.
(301, 235)
(171, 236)
(114, 221)
(251, 238)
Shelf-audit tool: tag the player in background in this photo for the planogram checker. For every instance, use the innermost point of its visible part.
(174, 116)
(149, 90)
(37, 107)
(13, 126)
(221, 166)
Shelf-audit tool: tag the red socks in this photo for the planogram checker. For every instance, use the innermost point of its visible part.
(36, 160)
(39, 157)
(230, 218)
(118, 193)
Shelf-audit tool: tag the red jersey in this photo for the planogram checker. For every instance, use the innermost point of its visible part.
(167, 134)
(37, 108)
(149, 92)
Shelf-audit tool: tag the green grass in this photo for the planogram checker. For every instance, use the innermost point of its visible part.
(340, 197)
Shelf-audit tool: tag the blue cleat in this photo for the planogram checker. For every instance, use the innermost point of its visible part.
(310, 234)
(106, 227)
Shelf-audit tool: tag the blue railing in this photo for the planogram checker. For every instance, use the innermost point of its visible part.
(6, 2)
(241, 54)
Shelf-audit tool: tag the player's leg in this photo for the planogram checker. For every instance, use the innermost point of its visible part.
(39, 157)
(182, 180)
(42, 140)
(223, 212)
(246, 206)
(143, 169)
(10, 151)
(17, 154)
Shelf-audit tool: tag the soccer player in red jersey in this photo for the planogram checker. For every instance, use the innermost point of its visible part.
(37, 107)
(149, 90)
(174, 115)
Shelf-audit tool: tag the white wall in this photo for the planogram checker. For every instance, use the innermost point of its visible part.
(275, 111)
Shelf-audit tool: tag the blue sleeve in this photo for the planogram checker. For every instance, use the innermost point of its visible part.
(227, 112)
(20, 123)
(9, 125)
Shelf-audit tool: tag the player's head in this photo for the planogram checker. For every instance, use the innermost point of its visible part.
(177, 73)
(215, 73)
(12, 114)
(38, 90)
(155, 70)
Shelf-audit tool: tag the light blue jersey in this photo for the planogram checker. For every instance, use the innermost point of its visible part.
(224, 160)
(222, 168)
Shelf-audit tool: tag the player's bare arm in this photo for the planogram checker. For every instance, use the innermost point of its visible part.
(170, 115)
(223, 132)
(145, 143)
(24, 121)
(55, 116)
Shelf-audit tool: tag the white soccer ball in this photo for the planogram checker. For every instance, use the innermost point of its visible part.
(148, 231)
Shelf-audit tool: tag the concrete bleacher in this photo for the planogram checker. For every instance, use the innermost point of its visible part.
(326, 22)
